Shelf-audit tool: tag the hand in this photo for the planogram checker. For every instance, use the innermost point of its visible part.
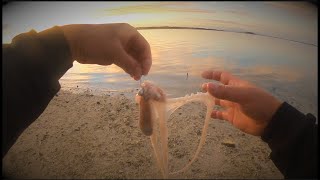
(248, 107)
(106, 44)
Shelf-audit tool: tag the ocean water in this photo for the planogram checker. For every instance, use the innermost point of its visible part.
(286, 69)
(279, 55)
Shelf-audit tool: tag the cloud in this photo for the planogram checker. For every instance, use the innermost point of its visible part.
(158, 7)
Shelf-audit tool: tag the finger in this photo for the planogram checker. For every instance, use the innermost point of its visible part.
(204, 87)
(222, 76)
(129, 65)
(146, 56)
(143, 50)
(230, 93)
(222, 103)
(223, 115)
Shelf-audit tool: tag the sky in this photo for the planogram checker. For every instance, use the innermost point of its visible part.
(292, 20)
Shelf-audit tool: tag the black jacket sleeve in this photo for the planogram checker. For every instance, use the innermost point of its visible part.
(292, 138)
(31, 68)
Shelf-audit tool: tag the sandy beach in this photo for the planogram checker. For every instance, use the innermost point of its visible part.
(83, 135)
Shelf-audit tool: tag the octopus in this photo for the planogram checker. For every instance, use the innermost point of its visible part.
(155, 109)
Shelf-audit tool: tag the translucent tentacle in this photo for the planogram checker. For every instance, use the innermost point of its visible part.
(161, 111)
(170, 106)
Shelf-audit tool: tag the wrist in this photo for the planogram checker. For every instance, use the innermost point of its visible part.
(70, 33)
(274, 107)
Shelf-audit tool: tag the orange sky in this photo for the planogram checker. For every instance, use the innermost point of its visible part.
(296, 20)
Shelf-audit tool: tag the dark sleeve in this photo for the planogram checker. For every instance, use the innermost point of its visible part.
(31, 67)
(292, 138)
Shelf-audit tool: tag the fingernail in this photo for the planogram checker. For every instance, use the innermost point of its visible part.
(211, 87)
(137, 78)
(204, 74)
(213, 114)
(145, 73)
(204, 87)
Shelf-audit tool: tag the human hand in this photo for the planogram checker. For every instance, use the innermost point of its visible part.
(248, 107)
(106, 44)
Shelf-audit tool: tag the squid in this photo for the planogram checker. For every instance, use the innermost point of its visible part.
(146, 95)
(155, 110)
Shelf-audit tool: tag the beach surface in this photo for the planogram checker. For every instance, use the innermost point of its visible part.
(85, 135)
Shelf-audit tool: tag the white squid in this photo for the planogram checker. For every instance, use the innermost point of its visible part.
(155, 110)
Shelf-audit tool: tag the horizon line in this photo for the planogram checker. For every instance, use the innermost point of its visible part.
(224, 30)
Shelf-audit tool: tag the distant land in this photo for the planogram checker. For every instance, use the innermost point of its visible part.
(214, 29)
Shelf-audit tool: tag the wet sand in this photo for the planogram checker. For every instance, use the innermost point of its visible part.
(82, 135)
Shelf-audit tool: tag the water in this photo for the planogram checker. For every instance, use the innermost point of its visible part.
(286, 69)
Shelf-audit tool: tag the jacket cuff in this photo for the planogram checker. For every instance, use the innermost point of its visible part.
(50, 46)
(56, 45)
(46, 57)
(286, 123)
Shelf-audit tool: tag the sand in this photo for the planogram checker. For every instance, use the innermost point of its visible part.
(88, 136)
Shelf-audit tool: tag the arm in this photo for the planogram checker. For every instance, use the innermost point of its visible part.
(291, 135)
(34, 62)
(32, 65)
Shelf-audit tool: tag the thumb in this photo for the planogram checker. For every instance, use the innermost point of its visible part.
(228, 92)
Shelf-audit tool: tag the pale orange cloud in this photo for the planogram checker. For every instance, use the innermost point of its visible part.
(159, 7)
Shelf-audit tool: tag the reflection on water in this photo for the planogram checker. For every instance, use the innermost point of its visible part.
(286, 69)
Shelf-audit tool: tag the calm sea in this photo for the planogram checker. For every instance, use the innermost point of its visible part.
(285, 68)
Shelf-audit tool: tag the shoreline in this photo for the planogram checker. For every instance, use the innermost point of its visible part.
(225, 30)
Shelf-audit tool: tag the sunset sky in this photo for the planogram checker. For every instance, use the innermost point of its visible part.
(294, 20)
(272, 63)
